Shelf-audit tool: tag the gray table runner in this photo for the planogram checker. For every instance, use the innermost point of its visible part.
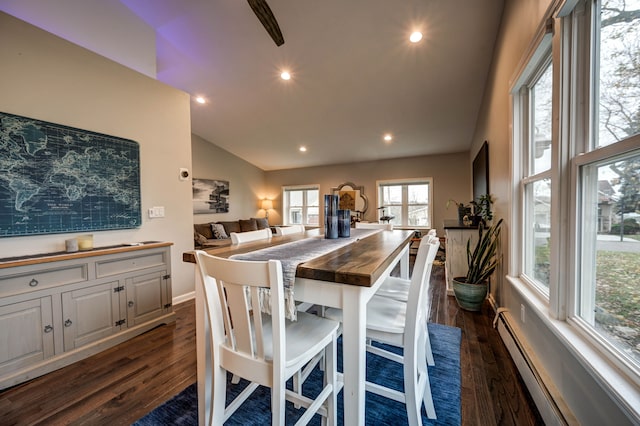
(291, 255)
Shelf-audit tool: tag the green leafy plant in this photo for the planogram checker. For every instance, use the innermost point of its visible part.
(483, 207)
(458, 205)
(483, 259)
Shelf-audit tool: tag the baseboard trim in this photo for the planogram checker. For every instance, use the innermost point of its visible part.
(184, 298)
(548, 400)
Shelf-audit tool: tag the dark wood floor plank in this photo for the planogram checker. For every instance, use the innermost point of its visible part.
(122, 384)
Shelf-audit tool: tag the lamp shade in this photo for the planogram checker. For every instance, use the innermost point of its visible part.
(267, 204)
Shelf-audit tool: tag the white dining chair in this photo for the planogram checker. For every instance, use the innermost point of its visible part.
(374, 225)
(404, 325)
(245, 237)
(289, 230)
(264, 349)
(398, 288)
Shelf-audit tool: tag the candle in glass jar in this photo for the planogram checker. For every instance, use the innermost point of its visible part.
(85, 242)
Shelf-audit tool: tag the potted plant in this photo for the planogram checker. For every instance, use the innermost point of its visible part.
(463, 209)
(483, 209)
(471, 290)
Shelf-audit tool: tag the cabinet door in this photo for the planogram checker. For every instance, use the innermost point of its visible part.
(146, 297)
(456, 257)
(90, 314)
(26, 333)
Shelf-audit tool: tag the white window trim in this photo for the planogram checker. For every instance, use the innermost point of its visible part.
(529, 68)
(285, 207)
(422, 180)
(618, 379)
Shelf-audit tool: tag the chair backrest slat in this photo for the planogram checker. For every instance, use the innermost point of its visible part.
(418, 305)
(244, 237)
(289, 230)
(236, 286)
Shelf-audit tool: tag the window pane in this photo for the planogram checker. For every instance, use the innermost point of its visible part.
(537, 240)
(418, 194)
(312, 197)
(540, 151)
(418, 215)
(295, 216)
(618, 96)
(312, 216)
(610, 257)
(295, 198)
(395, 211)
(392, 194)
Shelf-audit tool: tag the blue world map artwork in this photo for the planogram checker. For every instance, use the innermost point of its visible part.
(56, 179)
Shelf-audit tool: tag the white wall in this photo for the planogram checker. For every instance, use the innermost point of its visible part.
(90, 24)
(587, 399)
(450, 173)
(47, 78)
(246, 181)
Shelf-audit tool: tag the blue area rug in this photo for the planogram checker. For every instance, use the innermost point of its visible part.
(444, 377)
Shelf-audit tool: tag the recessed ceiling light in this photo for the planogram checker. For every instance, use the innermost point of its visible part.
(303, 149)
(388, 137)
(415, 37)
(201, 100)
(285, 75)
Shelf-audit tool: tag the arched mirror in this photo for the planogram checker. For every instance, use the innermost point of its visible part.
(351, 196)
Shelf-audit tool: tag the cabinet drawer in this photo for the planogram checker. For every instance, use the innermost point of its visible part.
(42, 279)
(108, 268)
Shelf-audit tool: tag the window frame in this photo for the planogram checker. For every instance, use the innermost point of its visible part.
(286, 207)
(405, 204)
(538, 59)
(575, 86)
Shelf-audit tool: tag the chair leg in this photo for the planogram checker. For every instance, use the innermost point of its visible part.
(218, 395)
(412, 394)
(331, 378)
(297, 385)
(278, 403)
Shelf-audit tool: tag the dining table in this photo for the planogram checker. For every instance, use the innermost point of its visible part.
(346, 277)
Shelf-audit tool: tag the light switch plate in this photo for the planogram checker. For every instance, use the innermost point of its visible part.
(155, 212)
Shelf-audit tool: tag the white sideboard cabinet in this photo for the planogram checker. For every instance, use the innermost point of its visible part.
(456, 250)
(58, 308)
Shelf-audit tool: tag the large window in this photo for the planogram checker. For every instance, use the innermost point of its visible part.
(577, 163)
(535, 107)
(301, 205)
(408, 201)
(607, 173)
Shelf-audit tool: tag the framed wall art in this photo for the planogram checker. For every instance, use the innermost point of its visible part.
(59, 179)
(210, 196)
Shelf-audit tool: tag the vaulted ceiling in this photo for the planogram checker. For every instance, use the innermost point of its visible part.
(354, 75)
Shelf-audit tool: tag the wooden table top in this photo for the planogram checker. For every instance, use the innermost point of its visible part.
(360, 263)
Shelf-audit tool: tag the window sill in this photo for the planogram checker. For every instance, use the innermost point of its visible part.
(622, 388)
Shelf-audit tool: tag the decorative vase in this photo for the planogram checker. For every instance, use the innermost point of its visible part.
(344, 223)
(331, 216)
(469, 296)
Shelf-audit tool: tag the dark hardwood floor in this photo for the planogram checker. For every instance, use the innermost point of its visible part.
(120, 385)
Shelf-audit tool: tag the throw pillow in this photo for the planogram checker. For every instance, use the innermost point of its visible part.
(248, 225)
(199, 238)
(203, 229)
(231, 226)
(218, 231)
(262, 222)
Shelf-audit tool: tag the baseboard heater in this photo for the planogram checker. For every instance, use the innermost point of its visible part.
(546, 397)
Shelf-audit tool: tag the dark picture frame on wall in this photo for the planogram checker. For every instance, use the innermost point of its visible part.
(481, 172)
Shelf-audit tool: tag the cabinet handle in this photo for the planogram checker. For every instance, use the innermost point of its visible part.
(130, 303)
(48, 329)
(68, 323)
(33, 283)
